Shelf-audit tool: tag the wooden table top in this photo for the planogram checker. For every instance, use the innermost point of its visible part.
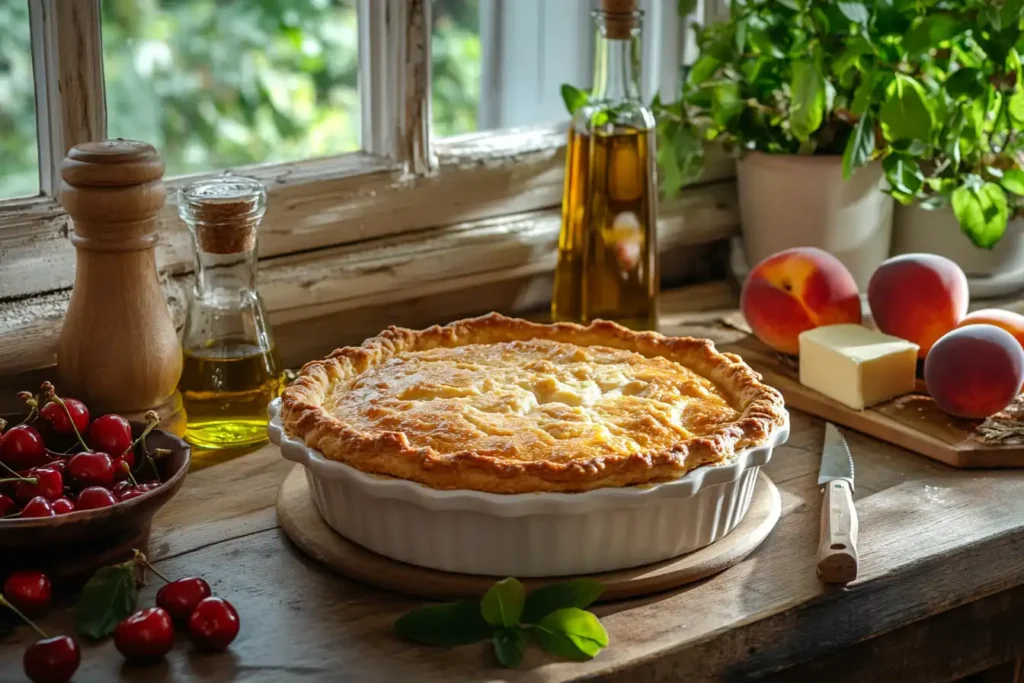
(934, 541)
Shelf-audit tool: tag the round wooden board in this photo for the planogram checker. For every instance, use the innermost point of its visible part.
(301, 521)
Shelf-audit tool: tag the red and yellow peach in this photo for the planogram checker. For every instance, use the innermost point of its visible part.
(974, 371)
(918, 297)
(795, 290)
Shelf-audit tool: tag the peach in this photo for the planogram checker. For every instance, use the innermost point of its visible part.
(795, 290)
(1007, 320)
(918, 297)
(974, 371)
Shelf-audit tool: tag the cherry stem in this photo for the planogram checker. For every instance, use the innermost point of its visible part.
(141, 559)
(152, 420)
(8, 468)
(3, 424)
(31, 480)
(33, 406)
(5, 603)
(128, 471)
(48, 389)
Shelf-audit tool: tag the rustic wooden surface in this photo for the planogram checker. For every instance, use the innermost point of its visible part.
(304, 527)
(939, 596)
(914, 421)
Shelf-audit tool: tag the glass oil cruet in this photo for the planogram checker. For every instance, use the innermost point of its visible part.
(607, 248)
(229, 373)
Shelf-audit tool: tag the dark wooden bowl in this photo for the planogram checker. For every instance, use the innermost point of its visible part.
(71, 547)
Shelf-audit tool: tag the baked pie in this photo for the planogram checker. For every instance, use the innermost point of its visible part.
(504, 405)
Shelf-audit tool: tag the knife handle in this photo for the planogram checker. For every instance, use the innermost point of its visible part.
(837, 554)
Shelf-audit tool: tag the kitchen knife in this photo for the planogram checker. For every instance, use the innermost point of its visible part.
(837, 554)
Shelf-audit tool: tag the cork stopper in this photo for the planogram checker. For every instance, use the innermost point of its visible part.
(620, 17)
(224, 213)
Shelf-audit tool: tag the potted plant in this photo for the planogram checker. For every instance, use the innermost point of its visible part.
(809, 96)
(962, 196)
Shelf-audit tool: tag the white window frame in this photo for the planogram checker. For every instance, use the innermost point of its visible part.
(405, 218)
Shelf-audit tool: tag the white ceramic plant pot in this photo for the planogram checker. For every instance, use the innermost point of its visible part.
(990, 272)
(802, 201)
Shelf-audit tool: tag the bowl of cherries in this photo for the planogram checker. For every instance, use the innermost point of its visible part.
(77, 492)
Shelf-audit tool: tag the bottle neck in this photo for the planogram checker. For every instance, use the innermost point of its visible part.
(225, 278)
(616, 63)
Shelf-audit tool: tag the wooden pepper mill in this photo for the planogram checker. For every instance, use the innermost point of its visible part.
(118, 349)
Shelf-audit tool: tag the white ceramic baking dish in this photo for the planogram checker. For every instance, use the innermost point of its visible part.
(529, 534)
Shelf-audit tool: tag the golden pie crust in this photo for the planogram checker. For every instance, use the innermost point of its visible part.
(504, 405)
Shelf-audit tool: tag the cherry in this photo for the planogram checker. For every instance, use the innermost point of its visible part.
(95, 497)
(21, 447)
(121, 488)
(180, 597)
(62, 506)
(48, 483)
(213, 624)
(58, 465)
(6, 505)
(29, 591)
(52, 660)
(55, 414)
(123, 465)
(110, 434)
(91, 469)
(38, 507)
(145, 635)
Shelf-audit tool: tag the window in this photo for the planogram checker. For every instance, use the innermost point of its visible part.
(412, 149)
(19, 163)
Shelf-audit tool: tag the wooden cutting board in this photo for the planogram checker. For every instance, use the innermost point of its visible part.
(913, 422)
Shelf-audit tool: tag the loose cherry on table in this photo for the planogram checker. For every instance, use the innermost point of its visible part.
(180, 597)
(145, 636)
(38, 507)
(58, 416)
(29, 591)
(22, 447)
(49, 660)
(213, 624)
(95, 497)
(110, 434)
(91, 469)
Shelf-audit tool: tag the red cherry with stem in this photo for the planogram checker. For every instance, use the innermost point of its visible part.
(21, 447)
(62, 506)
(95, 497)
(48, 483)
(91, 469)
(180, 597)
(54, 413)
(121, 488)
(145, 636)
(6, 505)
(213, 624)
(31, 592)
(52, 660)
(110, 434)
(58, 465)
(123, 465)
(38, 507)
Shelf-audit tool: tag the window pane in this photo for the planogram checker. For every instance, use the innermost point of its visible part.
(19, 156)
(501, 63)
(215, 84)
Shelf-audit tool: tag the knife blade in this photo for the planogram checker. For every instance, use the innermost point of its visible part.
(837, 552)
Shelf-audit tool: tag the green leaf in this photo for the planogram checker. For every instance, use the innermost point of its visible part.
(543, 601)
(847, 59)
(509, 646)
(932, 30)
(107, 599)
(1015, 107)
(965, 83)
(855, 12)
(808, 106)
(906, 112)
(573, 97)
(791, 4)
(862, 96)
(904, 174)
(571, 633)
(982, 211)
(448, 624)
(1013, 181)
(725, 102)
(502, 605)
(687, 7)
(703, 69)
(861, 145)
(939, 201)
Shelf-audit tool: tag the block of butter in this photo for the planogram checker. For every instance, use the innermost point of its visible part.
(855, 365)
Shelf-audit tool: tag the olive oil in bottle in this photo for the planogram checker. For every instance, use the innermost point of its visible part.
(607, 251)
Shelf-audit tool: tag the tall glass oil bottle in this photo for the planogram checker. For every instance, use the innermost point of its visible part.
(230, 372)
(607, 249)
